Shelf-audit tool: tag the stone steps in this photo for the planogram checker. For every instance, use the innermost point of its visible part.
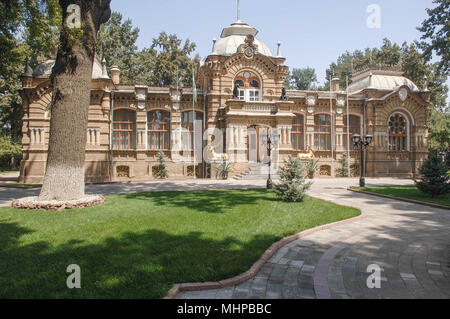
(256, 172)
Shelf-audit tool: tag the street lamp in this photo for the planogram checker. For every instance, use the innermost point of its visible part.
(363, 143)
(270, 146)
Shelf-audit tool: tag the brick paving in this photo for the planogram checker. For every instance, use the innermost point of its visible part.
(409, 242)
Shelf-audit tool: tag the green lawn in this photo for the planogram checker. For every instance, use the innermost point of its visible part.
(139, 245)
(22, 186)
(408, 192)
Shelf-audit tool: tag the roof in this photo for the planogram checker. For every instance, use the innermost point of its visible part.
(44, 70)
(381, 80)
(234, 36)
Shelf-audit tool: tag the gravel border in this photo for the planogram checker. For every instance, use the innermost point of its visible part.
(32, 203)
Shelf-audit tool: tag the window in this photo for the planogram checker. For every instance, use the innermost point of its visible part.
(249, 86)
(297, 135)
(398, 133)
(253, 95)
(352, 126)
(322, 132)
(187, 124)
(124, 130)
(158, 130)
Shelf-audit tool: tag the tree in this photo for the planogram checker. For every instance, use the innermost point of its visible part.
(161, 171)
(170, 53)
(302, 79)
(28, 28)
(415, 67)
(71, 84)
(293, 186)
(10, 152)
(343, 170)
(117, 43)
(435, 180)
(436, 34)
(439, 128)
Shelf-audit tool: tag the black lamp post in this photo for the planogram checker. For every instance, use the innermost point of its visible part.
(270, 146)
(363, 143)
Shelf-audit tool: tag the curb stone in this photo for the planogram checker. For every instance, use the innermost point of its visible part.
(411, 201)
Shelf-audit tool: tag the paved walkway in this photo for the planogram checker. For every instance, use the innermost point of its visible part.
(410, 243)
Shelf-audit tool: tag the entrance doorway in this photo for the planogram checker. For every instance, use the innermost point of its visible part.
(257, 143)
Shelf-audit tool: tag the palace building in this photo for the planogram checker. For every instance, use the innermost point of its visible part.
(241, 100)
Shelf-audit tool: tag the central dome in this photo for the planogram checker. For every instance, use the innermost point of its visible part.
(234, 36)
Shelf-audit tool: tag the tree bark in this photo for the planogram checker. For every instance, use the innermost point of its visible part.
(71, 81)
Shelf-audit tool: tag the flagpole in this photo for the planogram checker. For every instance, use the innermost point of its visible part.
(332, 121)
(194, 89)
(193, 117)
(348, 132)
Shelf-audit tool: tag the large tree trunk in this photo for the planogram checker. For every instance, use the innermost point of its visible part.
(71, 81)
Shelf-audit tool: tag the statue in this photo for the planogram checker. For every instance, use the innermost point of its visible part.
(216, 157)
(308, 155)
(284, 96)
(236, 92)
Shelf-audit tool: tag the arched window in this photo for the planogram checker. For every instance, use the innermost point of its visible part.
(187, 124)
(249, 86)
(298, 136)
(352, 126)
(398, 133)
(158, 130)
(322, 132)
(124, 130)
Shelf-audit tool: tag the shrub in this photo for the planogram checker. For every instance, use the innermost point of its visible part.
(293, 186)
(10, 152)
(312, 168)
(224, 169)
(160, 170)
(435, 178)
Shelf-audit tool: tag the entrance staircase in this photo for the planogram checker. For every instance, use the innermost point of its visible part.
(256, 171)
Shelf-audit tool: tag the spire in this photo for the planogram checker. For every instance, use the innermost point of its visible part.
(425, 84)
(370, 81)
(104, 70)
(28, 71)
(238, 11)
(214, 47)
(279, 55)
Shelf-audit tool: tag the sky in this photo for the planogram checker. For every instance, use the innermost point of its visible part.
(312, 33)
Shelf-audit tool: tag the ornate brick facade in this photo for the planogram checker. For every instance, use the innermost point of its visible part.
(130, 124)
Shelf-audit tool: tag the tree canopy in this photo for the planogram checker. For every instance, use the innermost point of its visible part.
(28, 29)
(302, 79)
(436, 34)
(153, 65)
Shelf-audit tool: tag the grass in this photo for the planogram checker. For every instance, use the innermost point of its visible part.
(21, 186)
(8, 170)
(139, 245)
(408, 192)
